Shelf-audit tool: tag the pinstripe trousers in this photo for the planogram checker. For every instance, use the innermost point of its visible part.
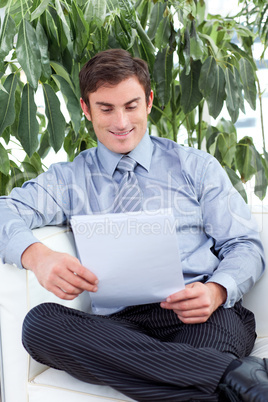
(145, 352)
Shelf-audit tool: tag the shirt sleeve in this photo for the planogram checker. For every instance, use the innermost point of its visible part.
(228, 220)
(37, 203)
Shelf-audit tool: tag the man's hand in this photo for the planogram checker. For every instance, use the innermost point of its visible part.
(196, 303)
(60, 273)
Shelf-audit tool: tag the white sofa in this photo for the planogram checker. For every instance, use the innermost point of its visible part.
(24, 380)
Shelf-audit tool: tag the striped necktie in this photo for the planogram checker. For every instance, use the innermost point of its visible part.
(128, 197)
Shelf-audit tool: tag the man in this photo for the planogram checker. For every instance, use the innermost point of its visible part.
(192, 346)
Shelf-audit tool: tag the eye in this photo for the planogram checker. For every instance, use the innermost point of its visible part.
(131, 107)
(106, 110)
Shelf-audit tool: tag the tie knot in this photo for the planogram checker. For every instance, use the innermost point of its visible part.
(126, 164)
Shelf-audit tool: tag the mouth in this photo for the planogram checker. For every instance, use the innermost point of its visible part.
(121, 133)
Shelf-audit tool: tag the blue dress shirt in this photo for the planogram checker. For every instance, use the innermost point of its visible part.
(217, 237)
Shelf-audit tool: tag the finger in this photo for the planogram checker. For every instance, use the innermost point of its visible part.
(193, 320)
(200, 302)
(62, 294)
(74, 284)
(183, 295)
(202, 312)
(191, 291)
(79, 270)
(186, 305)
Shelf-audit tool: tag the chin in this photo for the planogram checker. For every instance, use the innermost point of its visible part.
(123, 147)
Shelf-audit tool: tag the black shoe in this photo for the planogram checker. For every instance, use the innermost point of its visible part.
(247, 382)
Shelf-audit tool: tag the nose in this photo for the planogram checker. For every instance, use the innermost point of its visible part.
(121, 120)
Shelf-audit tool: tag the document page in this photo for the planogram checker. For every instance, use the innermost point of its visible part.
(134, 255)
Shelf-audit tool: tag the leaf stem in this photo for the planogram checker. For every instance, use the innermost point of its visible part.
(200, 117)
(174, 114)
(164, 114)
(261, 112)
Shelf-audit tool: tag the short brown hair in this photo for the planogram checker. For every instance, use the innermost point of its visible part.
(112, 67)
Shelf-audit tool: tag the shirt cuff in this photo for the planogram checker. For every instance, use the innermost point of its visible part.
(229, 284)
(17, 245)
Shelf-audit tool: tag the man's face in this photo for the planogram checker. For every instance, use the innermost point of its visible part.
(119, 114)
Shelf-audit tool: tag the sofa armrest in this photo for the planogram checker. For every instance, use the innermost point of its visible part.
(256, 299)
(19, 292)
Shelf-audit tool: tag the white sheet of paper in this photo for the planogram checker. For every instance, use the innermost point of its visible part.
(134, 255)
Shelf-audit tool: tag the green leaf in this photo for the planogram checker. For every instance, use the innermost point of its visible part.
(56, 121)
(232, 95)
(4, 165)
(211, 137)
(2, 88)
(163, 33)
(226, 144)
(236, 182)
(14, 126)
(197, 49)
(17, 177)
(261, 182)
(147, 47)
(28, 125)
(211, 43)
(98, 9)
(35, 161)
(43, 46)
(3, 183)
(156, 112)
(40, 9)
(28, 52)
(44, 147)
(7, 36)
(226, 126)
(207, 76)
(120, 33)
(200, 11)
(72, 103)
(7, 102)
(65, 26)
(6, 134)
(3, 3)
(31, 167)
(245, 159)
(217, 96)
(186, 51)
(112, 5)
(238, 52)
(52, 35)
(248, 79)
(239, 89)
(128, 12)
(61, 70)
(190, 93)
(163, 75)
(144, 12)
(100, 39)
(156, 17)
(75, 79)
(81, 29)
(29, 170)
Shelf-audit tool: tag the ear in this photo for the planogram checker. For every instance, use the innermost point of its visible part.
(150, 102)
(85, 109)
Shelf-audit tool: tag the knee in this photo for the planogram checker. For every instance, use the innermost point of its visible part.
(34, 325)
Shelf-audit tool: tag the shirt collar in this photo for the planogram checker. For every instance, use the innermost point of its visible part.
(141, 154)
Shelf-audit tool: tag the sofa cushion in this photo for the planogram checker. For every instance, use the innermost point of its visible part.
(261, 347)
(57, 386)
(65, 384)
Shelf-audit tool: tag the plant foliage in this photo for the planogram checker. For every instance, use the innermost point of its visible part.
(193, 62)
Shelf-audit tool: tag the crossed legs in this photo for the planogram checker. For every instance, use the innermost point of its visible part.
(144, 352)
